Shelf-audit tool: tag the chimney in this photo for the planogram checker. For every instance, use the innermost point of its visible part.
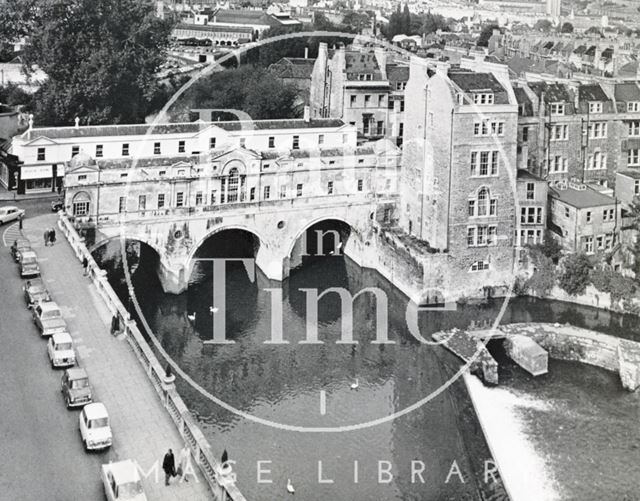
(30, 121)
(307, 114)
(77, 120)
(306, 52)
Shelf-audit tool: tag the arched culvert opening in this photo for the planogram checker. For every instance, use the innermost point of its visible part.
(240, 292)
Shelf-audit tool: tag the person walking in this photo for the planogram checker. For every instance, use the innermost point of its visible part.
(46, 237)
(52, 236)
(183, 462)
(169, 466)
(85, 265)
(20, 221)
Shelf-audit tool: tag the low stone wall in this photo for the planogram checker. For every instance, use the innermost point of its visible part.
(223, 488)
(566, 342)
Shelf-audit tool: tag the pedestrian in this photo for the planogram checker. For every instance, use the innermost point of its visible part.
(46, 237)
(115, 324)
(52, 236)
(20, 222)
(169, 466)
(183, 462)
(85, 265)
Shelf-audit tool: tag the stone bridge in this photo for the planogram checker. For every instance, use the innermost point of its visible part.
(278, 225)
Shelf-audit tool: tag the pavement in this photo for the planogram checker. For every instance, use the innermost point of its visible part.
(142, 428)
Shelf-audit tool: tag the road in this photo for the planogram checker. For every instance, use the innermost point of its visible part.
(40, 448)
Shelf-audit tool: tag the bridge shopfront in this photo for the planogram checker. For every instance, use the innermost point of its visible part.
(40, 178)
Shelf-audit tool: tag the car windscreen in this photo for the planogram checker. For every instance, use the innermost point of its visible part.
(63, 346)
(99, 423)
(129, 490)
(36, 289)
(47, 314)
(80, 383)
(29, 260)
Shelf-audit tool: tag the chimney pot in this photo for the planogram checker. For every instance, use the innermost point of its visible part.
(307, 114)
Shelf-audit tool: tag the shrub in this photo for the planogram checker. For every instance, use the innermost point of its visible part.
(576, 274)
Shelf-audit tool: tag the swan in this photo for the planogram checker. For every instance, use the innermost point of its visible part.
(354, 386)
(192, 317)
(212, 310)
(290, 488)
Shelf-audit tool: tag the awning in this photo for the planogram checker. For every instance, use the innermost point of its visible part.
(36, 172)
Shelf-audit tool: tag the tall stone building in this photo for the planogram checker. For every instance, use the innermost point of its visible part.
(458, 179)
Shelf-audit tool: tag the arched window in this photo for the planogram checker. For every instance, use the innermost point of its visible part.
(482, 204)
(232, 187)
(81, 203)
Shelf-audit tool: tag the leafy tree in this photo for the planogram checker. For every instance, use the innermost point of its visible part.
(405, 21)
(576, 274)
(543, 25)
(13, 95)
(355, 21)
(544, 277)
(566, 28)
(594, 30)
(96, 53)
(486, 34)
(550, 248)
(432, 23)
(249, 88)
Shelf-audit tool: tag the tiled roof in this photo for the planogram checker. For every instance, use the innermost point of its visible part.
(592, 92)
(581, 199)
(625, 92)
(554, 93)
(178, 128)
(474, 82)
(397, 73)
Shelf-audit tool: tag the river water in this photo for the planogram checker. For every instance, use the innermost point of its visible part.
(586, 430)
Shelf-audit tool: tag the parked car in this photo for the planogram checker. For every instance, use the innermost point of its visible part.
(18, 246)
(94, 427)
(60, 350)
(48, 317)
(10, 213)
(29, 266)
(57, 205)
(35, 292)
(122, 480)
(75, 387)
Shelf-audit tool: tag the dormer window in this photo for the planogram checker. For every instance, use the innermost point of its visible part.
(483, 98)
(556, 108)
(595, 107)
(633, 106)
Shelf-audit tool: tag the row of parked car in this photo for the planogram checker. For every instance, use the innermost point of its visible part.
(121, 480)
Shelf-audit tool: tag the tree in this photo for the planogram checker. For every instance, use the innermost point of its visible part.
(576, 274)
(100, 57)
(432, 23)
(544, 276)
(543, 25)
(486, 34)
(566, 28)
(594, 30)
(550, 248)
(251, 89)
(405, 22)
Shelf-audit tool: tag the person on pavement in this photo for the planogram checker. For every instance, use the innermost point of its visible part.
(169, 466)
(46, 237)
(52, 236)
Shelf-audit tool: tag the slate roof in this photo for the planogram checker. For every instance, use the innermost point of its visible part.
(634, 174)
(528, 176)
(397, 73)
(519, 64)
(177, 128)
(213, 28)
(554, 93)
(474, 82)
(293, 67)
(523, 101)
(625, 92)
(356, 62)
(580, 50)
(581, 199)
(243, 16)
(607, 53)
(592, 92)
(591, 51)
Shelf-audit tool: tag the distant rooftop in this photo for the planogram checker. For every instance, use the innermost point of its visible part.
(591, 93)
(581, 199)
(554, 93)
(625, 92)
(475, 82)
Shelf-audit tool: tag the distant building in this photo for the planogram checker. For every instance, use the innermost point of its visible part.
(583, 219)
(296, 71)
(554, 8)
(532, 193)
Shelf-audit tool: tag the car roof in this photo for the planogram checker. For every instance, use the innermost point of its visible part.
(76, 373)
(49, 305)
(123, 471)
(36, 282)
(29, 253)
(7, 207)
(20, 241)
(95, 410)
(62, 337)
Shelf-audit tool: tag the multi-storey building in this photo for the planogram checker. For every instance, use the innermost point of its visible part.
(458, 179)
(583, 219)
(531, 217)
(44, 152)
(359, 87)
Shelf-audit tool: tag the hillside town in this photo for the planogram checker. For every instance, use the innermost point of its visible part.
(475, 163)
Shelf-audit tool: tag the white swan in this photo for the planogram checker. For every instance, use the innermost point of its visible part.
(290, 488)
(213, 310)
(192, 317)
(354, 386)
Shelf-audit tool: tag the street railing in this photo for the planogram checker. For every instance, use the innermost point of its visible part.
(222, 486)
